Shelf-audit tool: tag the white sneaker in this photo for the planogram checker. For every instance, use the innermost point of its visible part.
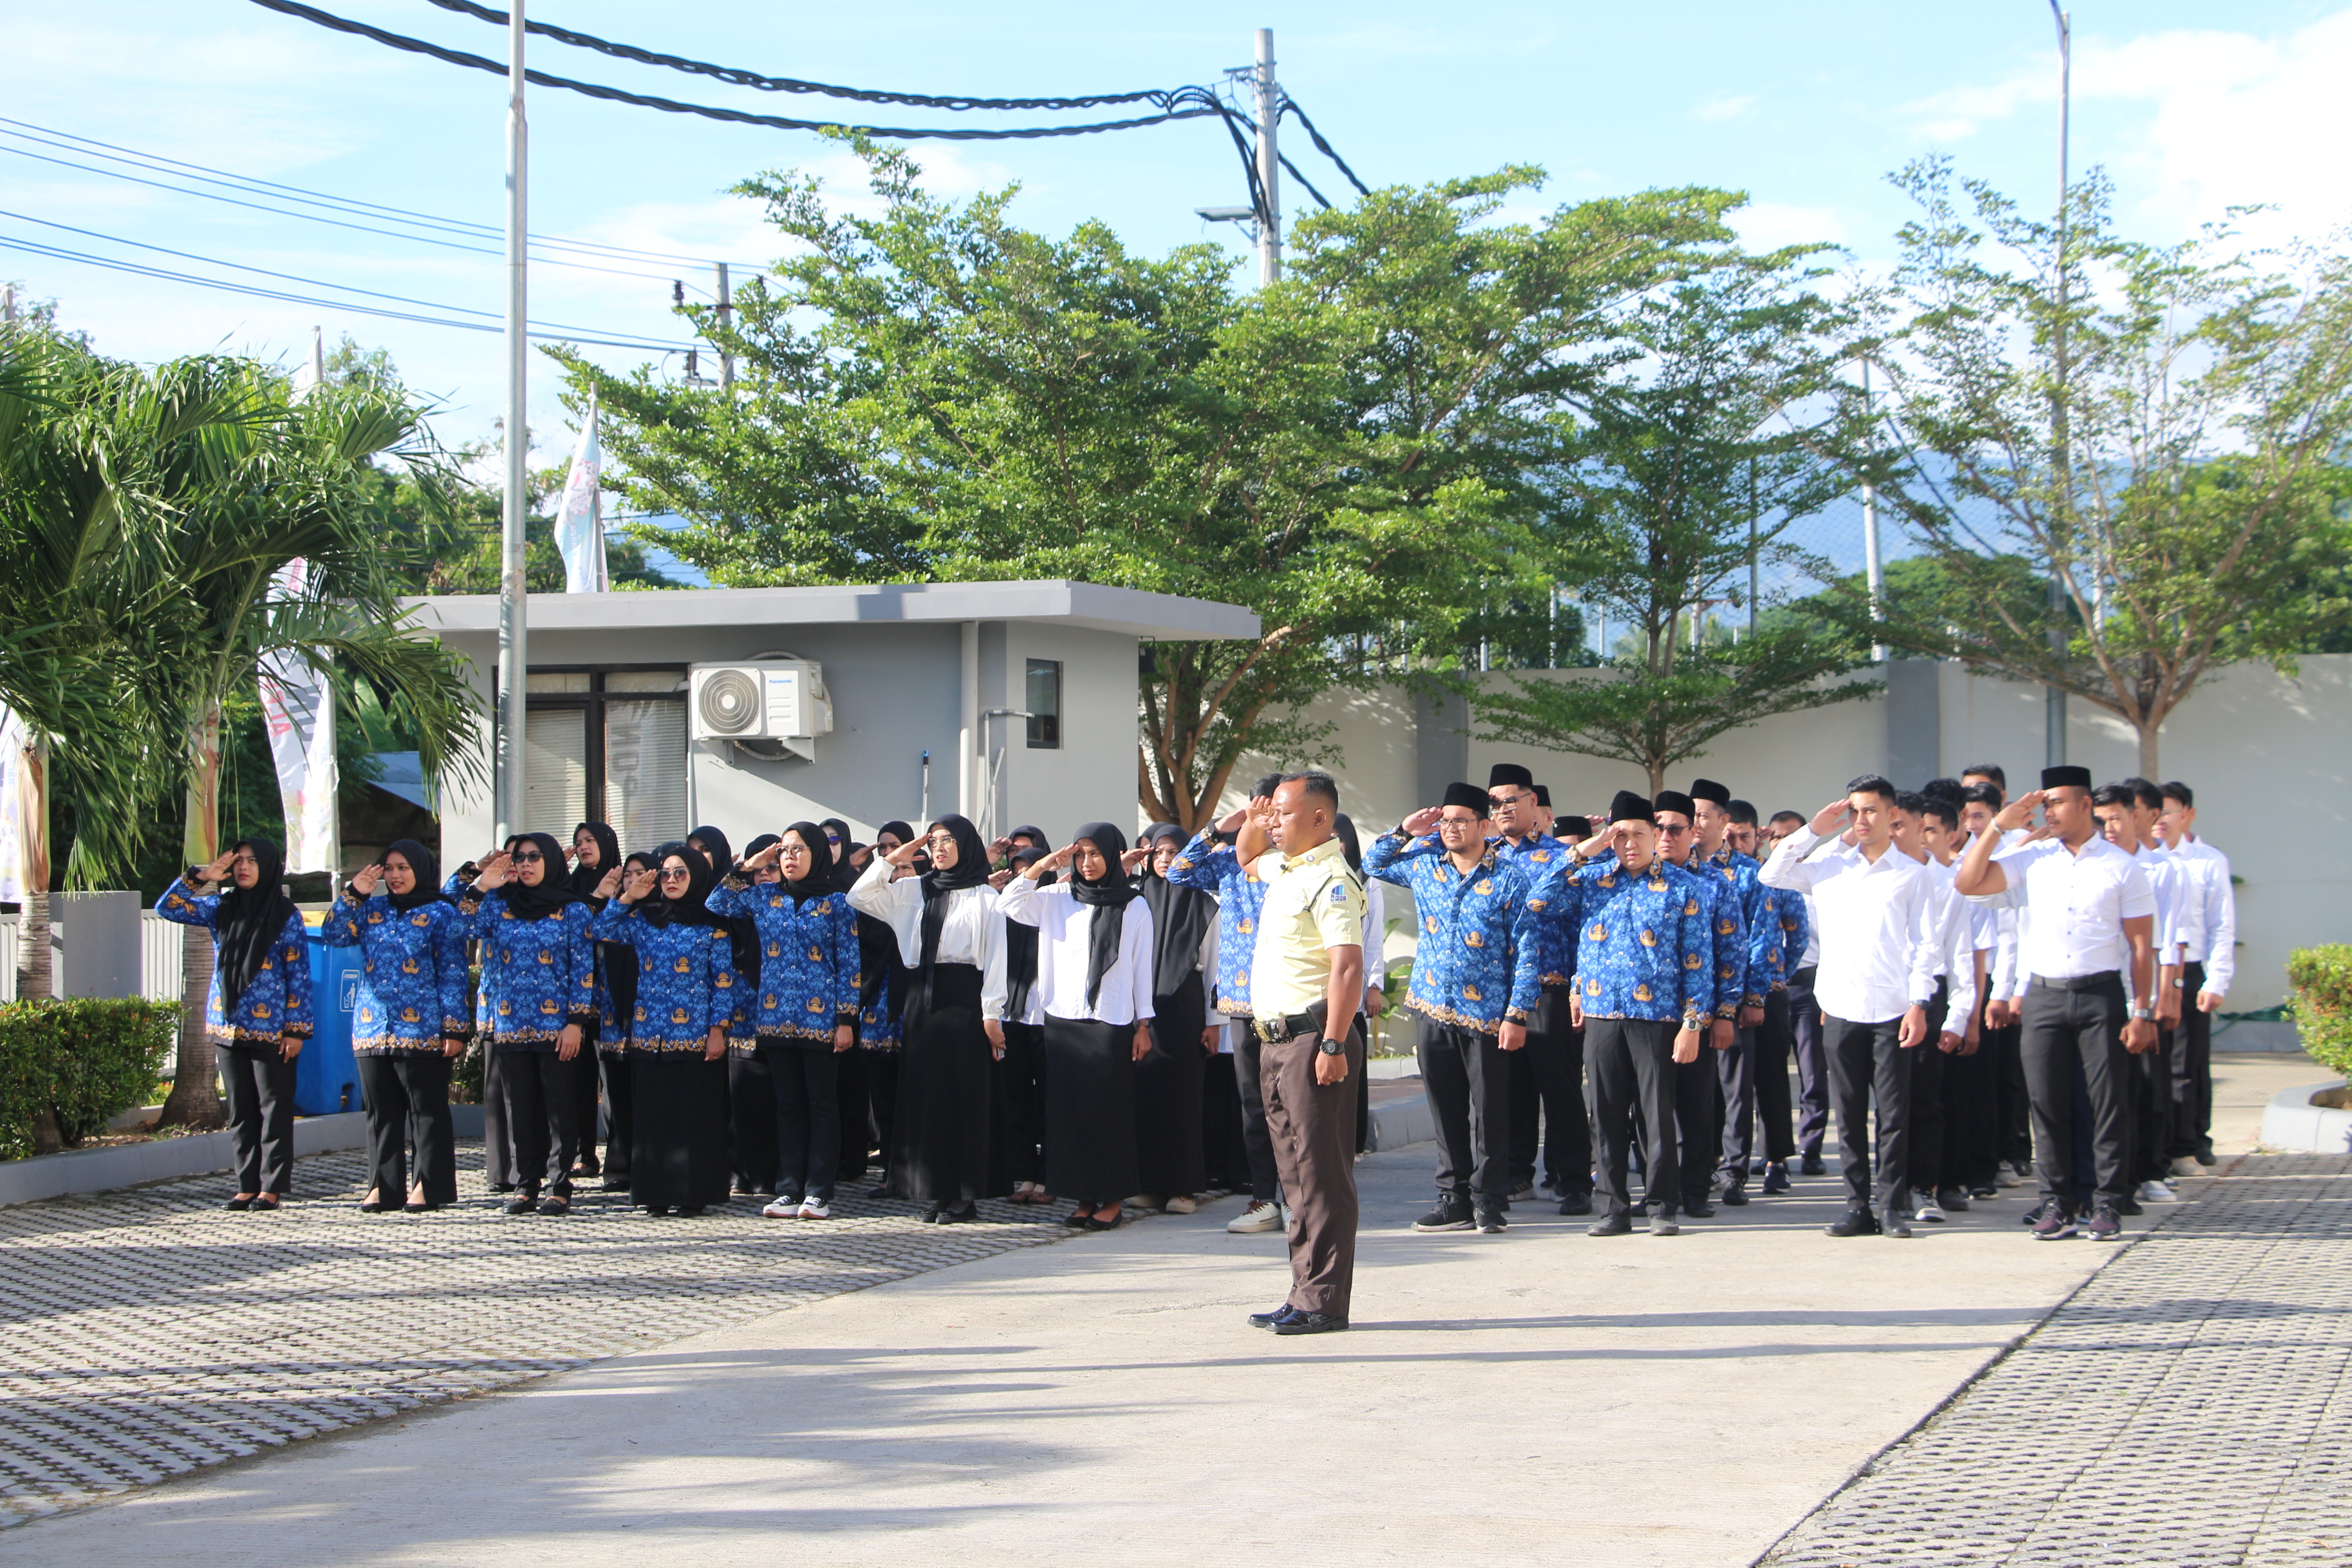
(1257, 1219)
(2186, 1166)
(811, 1209)
(2009, 1176)
(2158, 1193)
(1182, 1204)
(782, 1208)
(1929, 1213)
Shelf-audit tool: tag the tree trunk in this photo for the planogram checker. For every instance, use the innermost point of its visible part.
(2148, 750)
(194, 1100)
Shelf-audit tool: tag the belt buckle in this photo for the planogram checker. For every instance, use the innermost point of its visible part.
(1272, 1034)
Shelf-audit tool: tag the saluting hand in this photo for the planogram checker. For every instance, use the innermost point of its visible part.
(1134, 858)
(1831, 817)
(998, 878)
(494, 872)
(2018, 812)
(363, 882)
(1053, 862)
(903, 858)
(609, 884)
(639, 884)
(1422, 821)
(216, 869)
(1232, 821)
(765, 857)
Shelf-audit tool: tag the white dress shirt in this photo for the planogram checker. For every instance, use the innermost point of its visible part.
(2215, 942)
(1877, 928)
(2074, 905)
(973, 932)
(1065, 947)
(1956, 955)
(2179, 915)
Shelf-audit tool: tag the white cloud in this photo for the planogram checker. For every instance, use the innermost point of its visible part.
(1716, 110)
(1768, 226)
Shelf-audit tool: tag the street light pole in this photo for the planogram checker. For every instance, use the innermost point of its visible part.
(513, 606)
(1269, 164)
(2053, 700)
(1874, 569)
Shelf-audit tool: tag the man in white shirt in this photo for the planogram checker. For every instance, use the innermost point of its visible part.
(2209, 963)
(1877, 973)
(1997, 1150)
(1943, 1114)
(2090, 919)
(1804, 1024)
(2127, 810)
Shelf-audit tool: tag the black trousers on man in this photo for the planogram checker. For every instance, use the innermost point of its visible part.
(1928, 1123)
(539, 1089)
(260, 1083)
(2191, 1133)
(1629, 1068)
(1867, 1061)
(1971, 1122)
(1468, 1081)
(2150, 1081)
(1735, 1099)
(1548, 1078)
(1813, 1063)
(1774, 1041)
(2077, 1025)
(1257, 1138)
(1697, 1125)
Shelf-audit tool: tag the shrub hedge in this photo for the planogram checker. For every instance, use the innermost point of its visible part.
(2319, 999)
(83, 1060)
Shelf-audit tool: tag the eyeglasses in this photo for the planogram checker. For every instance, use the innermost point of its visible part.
(527, 858)
(1514, 798)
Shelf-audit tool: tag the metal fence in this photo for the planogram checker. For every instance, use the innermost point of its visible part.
(160, 953)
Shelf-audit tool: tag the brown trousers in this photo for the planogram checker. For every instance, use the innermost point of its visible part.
(1313, 1127)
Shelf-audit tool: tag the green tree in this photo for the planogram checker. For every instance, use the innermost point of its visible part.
(931, 392)
(2165, 451)
(1675, 478)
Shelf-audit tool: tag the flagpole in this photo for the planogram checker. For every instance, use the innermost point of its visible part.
(513, 604)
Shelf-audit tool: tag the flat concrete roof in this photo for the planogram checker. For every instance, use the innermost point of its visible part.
(1165, 616)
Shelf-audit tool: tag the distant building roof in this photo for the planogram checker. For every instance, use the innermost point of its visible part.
(1127, 611)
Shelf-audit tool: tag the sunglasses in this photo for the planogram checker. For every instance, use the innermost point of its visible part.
(1674, 832)
(678, 873)
(528, 858)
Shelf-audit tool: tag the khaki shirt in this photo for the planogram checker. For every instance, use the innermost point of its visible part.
(1313, 903)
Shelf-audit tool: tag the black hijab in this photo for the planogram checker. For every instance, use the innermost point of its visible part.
(1180, 916)
(1108, 897)
(1343, 829)
(821, 878)
(845, 870)
(690, 906)
(742, 931)
(427, 867)
(715, 849)
(554, 890)
(621, 974)
(249, 921)
(971, 870)
(608, 855)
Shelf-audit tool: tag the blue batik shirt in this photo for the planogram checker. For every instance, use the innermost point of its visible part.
(1729, 931)
(1555, 943)
(1474, 962)
(413, 993)
(1215, 867)
(276, 1007)
(686, 979)
(538, 977)
(1760, 921)
(808, 959)
(1644, 944)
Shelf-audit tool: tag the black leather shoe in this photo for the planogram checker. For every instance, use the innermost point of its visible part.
(1894, 1223)
(1698, 1208)
(1267, 1319)
(1575, 1204)
(1811, 1165)
(1952, 1200)
(237, 1205)
(1855, 1222)
(1776, 1177)
(374, 1205)
(523, 1202)
(1308, 1323)
(1733, 1197)
(1610, 1225)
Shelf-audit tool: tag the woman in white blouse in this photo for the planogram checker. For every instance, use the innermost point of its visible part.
(951, 935)
(1094, 981)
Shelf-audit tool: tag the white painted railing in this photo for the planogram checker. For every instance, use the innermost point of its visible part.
(160, 951)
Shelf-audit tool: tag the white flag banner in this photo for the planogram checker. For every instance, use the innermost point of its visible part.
(579, 522)
(310, 375)
(299, 707)
(12, 773)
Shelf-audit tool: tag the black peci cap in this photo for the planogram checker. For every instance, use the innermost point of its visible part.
(1466, 794)
(1543, 795)
(1503, 773)
(1708, 790)
(2064, 775)
(1674, 800)
(1631, 807)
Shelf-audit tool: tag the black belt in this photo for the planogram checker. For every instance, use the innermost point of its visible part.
(2099, 982)
(1274, 1031)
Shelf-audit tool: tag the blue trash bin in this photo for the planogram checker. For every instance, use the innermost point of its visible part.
(326, 1075)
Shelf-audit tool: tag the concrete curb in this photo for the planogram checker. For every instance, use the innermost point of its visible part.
(1399, 1121)
(2258, 1035)
(2290, 1122)
(133, 1164)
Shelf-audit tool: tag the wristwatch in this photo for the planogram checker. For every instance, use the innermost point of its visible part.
(2139, 1011)
(1332, 1048)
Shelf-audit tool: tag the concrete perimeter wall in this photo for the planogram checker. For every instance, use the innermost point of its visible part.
(2268, 756)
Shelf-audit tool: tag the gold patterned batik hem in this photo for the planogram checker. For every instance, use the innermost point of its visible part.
(1437, 1014)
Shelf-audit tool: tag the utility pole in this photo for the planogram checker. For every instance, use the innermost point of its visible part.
(513, 608)
(725, 322)
(2053, 701)
(1269, 164)
(1874, 569)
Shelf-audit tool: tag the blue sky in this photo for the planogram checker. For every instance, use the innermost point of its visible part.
(1806, 108)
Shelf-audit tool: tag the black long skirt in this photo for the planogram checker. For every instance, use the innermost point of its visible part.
(940, 1154)
(1090, 1111)
(1168, 1084)
(677, 1157)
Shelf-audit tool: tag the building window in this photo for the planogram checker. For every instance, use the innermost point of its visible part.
(1044, 703)
(608, 746)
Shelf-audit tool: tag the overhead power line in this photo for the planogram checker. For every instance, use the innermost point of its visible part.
(737, 76)
(1201, 103)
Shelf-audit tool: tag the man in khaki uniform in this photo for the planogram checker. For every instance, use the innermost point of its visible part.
(1307, 979)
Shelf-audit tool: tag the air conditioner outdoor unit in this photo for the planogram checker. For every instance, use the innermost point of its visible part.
(770, 707)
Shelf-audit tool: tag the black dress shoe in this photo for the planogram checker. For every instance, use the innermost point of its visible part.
(1074, 1219)
(1897, 1224)
(1776, 1177)
(1575, 1204)
(1610, 1225)
(1267, 1319)
(523, 1202)
(419, 1209)
(1308, 1323)
(374, 1205)
(271, 1203)
(963, 1215)
(1758, 1165)
(1811, 1165)
(554, 1205)
(1698, 1208)
(237, 1205)
(1855, 1222)
(1733, 1197)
